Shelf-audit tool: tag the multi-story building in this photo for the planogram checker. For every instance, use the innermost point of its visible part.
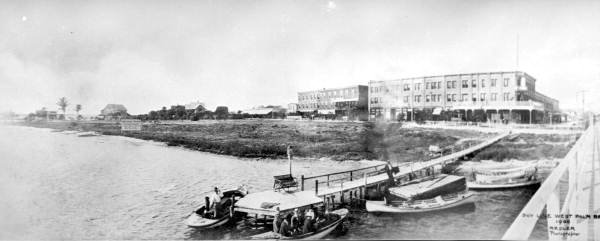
(493, 96)
(347, 102)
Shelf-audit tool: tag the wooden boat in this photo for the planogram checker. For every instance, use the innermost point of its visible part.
(427, 188)
(505, 178)
(417, 206)
(339, 216)
(200, 218)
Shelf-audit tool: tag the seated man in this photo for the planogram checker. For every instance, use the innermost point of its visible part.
(295, 221)
(276, 221)
(284, 229)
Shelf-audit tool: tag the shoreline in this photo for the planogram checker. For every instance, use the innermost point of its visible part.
(268, 140)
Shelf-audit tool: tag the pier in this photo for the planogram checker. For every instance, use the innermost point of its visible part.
(576, 214)
(357, 184)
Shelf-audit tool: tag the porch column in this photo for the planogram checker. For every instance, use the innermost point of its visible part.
(530, 115)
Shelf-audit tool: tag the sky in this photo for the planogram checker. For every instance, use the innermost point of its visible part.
(240, 54)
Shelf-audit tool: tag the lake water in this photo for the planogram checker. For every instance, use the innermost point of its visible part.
(59, 186)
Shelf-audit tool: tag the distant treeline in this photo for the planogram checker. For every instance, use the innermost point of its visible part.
(179, 112)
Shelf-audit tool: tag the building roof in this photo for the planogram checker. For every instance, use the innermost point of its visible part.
(446, 75)
(329, 89)
(194, 105)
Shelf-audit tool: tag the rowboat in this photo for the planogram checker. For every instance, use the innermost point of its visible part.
(425, 205)
(337, 217)
(87, 134)
(201, 218)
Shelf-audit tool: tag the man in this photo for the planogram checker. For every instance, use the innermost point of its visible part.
(295, 221)
(308, 219)
(215, 201)
(276, 221)
(285, 227)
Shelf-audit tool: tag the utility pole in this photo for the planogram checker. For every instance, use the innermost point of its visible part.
(582, 99)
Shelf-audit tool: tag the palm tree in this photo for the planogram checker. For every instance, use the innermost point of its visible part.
(78, 109)
(63, 103)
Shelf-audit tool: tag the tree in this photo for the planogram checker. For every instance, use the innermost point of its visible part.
(78, 109)
(222, 112)
(62, 104)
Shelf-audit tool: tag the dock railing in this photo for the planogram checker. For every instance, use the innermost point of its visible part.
(548, 195)
(340, 177)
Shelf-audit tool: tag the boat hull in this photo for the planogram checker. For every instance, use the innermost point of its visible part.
(474, 185)
(197, 221)
(382, 207)
(320, 234)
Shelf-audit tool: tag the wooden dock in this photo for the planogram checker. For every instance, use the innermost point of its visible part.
(575, 215)
(369, 181)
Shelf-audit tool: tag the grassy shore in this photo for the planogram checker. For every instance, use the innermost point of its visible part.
(269, 138)
(527, 147)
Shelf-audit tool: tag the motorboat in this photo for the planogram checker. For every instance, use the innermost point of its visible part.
(425, 205)
(505, 178)
(335, 219)
(204, 219)
(501, 179)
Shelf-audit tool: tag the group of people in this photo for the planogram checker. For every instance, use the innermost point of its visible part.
(298, 223)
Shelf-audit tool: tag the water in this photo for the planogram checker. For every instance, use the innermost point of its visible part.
(58, 186)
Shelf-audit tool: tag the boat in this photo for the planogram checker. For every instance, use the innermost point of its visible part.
(427, 188)
(337, 217)
(505, 178)
(200, 218)
(87, 134)
(416, 206)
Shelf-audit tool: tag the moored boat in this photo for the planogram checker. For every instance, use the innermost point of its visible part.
(87, 134)
(425, 205)
(336, 218)
(203, 218)
(504, 178)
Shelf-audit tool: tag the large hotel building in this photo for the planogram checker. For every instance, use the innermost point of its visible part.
(486, 96)
(348, 102)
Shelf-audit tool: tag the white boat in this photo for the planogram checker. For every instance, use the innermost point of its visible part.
(88, 133)
(200, 218)
(505, 178)
(340, 216)
(417, 206)
(475, 185)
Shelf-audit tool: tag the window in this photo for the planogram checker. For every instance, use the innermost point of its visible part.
(506, 97)
(406, 87)
(427, 98)
(427, 85)
(482, 97)
(474, 97)
(465, 83)
(417, 98)
(506, 82)
(465, 97)
(439, 85)
(405, 99)
(493, 82)
(494, 96)
(453, 97)
(439, 97)
(482, 83)
(449, 85)
(474, 83)
(453, 84)
(448, 97)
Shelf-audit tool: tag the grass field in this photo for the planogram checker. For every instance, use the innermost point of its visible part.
(311, 139)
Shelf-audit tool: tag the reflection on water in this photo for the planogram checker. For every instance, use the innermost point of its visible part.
(59, 186)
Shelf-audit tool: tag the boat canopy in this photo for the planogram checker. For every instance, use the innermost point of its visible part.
(265, 203)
